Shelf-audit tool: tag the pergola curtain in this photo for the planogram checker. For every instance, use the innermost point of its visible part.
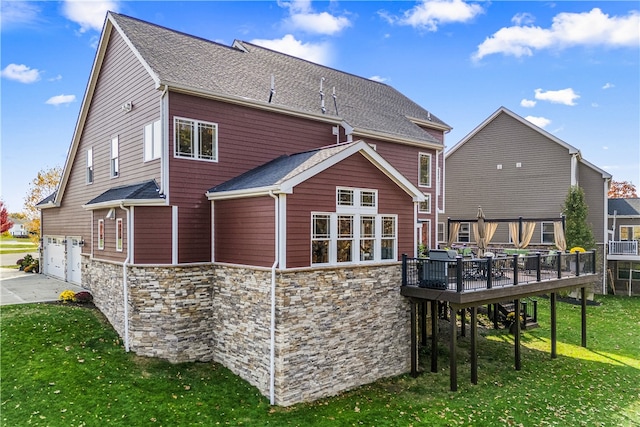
(454, 227)
(558, 236)
(521, 241)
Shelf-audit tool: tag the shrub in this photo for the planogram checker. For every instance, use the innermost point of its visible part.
(67, 295)
(25, 262)
(83, 297)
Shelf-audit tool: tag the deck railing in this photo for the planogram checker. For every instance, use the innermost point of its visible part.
(623, 247)
(473, 274)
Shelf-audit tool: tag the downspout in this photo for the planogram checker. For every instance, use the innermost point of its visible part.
(605, 246)
(125, 290)
(272, 328)
(164, 161)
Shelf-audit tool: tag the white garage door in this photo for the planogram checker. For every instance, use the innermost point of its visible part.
(73, 260)
(54, 257)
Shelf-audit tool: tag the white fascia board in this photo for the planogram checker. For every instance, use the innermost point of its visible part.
(125, 202)
(249, 192)
(55, 205)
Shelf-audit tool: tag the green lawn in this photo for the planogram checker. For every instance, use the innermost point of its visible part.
(65, 366)
(9, 244)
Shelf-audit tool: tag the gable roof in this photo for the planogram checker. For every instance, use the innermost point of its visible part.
(624, 207)
(193, 64)
(502, 110)
(282, 174)
(47, 202)
(143, 193)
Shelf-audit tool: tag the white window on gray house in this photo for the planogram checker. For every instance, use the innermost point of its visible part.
(629, 232)
(464, 234)
(547, 236)
(195, 139)
(115, 160)
(424, 169)
(152, 141)
(90, 166)
(425, 207)
(441, 232)
(355, 233)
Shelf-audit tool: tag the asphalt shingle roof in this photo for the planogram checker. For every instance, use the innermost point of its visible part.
(245, 71)
(626, 207)
(147, 190)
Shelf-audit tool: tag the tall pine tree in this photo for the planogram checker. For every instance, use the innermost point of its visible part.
(577, 231)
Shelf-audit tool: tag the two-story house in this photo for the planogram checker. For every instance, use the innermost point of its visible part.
(514, 169)
(236, 204)
(623, 256)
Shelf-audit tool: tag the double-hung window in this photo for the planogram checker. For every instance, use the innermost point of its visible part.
(90, 166)
(425, 207)
(464, 233)
(547, 233)
(355, 233)
(115, 159)
(152, 141)
(195, 139)
(424, 169)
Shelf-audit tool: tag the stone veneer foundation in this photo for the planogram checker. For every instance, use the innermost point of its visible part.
(336, 328)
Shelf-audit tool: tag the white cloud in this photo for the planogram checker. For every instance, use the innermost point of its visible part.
(523, 19)
(608, 86)
(429, 14)
(541, 122)
(18, 12)
(302, 17)
(562, 96)
(21, 73)
(90, 15)
(315, 52)
(592, 28)
(61, 99)
(528, 103)
(378, 79)
(56, 78)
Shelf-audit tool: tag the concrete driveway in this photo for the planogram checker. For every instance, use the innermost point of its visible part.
(18, 287)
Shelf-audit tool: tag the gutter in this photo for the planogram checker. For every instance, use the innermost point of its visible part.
(272, 328)
(125, 288)
(164, 152)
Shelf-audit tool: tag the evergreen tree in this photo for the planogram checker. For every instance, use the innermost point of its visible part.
(577, 232)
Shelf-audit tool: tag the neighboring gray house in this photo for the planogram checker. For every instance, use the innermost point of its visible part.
(623, 257)
(19, 228)
(513, 169)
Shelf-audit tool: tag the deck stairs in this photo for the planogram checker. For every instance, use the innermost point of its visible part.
(530, 318)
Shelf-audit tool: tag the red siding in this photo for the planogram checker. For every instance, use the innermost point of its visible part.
(319, 193)
(245, 231)
(152, 235)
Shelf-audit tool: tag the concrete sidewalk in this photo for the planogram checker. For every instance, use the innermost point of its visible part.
(18, 287)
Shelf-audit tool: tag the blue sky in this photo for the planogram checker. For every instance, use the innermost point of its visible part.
(572, 68)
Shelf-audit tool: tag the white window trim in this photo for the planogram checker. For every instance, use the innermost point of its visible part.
(430, 169)
(356, 238)
(428, 201)
(90, 170)
(444, 232)
(542, 242)
(357, 207)
(195, 140)
(101, 241)
(152, 141)
(468, 233)
(114, 162)
(119, 235)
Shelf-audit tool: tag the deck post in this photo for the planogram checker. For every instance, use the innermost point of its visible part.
(463, 321)
(495, 316)
(517, 335)
(583, 292)
(524, 314)
(474, 344)
(423, 322)
(554, 353)
(453, 372)
(539, 268)
(434, 336)
(515, 269)
(404, 269)
(459, 284)
(414, 339)
(559, 255)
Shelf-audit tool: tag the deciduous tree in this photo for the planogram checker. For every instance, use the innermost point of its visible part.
(5, 221)
(622, 190)
(43, 185)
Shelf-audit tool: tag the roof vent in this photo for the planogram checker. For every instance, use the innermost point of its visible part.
(273, 89)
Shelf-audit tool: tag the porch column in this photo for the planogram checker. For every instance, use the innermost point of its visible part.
(474, 343)
(552, 302)
(583, 292)
(434, 336)
(414, 339)
(453, 373)
(517, 335)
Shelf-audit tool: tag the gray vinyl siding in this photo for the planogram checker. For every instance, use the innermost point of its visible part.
(122, 79)
(592, 183)
(537, 189)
